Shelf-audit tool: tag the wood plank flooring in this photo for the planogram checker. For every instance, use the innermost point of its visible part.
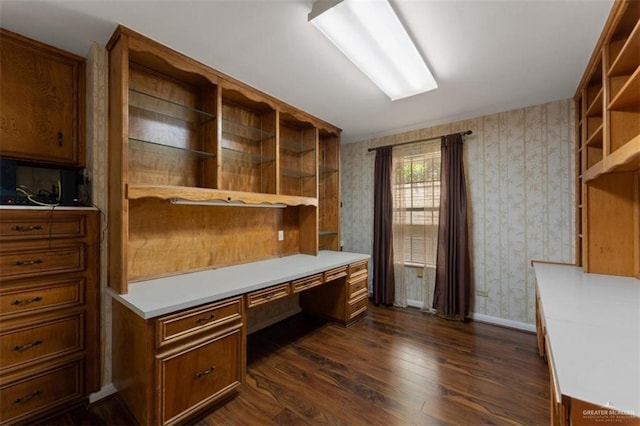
(394, 367)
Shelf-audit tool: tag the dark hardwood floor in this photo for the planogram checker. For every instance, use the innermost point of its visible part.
(394, 367)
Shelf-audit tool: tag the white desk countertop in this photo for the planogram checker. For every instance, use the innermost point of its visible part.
(152, 298)
(593, 326)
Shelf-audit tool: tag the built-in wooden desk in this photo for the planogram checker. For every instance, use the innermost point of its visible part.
(589, 329)
(179, 342)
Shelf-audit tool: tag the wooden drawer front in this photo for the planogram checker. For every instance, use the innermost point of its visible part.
(358, 287)
(194, 378)
(306, 283)
(12, 228)
(267, 295)
(19, 400)
(45, 296)
(185, 323)
(38, 342)
(26, 263)
(357, 269)
(334, 274)
(357, 307)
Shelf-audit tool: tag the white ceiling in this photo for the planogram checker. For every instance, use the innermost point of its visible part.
(487, 56)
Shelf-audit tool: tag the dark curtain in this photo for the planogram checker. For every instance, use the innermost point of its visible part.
(453, 270)
(383, 281)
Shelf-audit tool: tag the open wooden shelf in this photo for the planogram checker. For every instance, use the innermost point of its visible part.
(608, 149)
(168, 193)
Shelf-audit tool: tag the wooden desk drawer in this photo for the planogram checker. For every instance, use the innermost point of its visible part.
(36, 297)
(40, 341)
(35, 262)
(357, 306)
(267, 295)
(306, 283)
(15, 228)
(334, 274)
(197, 376)
(40, 393)
(207, 317)
(358, 287)
(357, 269)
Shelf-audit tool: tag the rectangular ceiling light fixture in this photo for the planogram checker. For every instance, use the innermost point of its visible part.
(370, 34)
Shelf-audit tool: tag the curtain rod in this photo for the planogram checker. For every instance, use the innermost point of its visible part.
(465, 133)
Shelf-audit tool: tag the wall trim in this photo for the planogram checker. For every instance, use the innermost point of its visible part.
(523, 326)
(107, 390)
(487, 319)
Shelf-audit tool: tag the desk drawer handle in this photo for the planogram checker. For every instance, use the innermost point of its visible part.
(205, 319)
(18, 302)
(26, 398)
(21, 228)
(20, 348)
(28, 262)
(205, 372)
(268, 295)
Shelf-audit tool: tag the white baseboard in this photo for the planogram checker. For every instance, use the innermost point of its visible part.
(503, 322)
(487, 319)
(102, 393)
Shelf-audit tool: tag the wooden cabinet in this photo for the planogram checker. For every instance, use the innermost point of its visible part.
(41, 102)
(329, 190)
(191, 147)
(608, 149)
(49, 311)
(171, 368)
(344, 295)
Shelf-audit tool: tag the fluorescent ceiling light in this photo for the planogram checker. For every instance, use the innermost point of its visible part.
(370, 34)
(226, 203)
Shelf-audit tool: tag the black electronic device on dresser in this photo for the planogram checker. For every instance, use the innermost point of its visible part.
(24, 184)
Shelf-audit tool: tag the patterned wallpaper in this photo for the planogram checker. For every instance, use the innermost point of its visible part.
(520, 177)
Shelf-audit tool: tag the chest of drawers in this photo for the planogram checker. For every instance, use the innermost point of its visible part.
(49, 311)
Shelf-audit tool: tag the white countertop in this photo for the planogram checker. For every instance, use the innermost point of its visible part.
(152, 298)
(593, 327)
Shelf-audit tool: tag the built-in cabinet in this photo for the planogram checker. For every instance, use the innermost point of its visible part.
(608, 149)
(169, 368)
(184, 138)
(206, 174)
(329, 190)
(49, 311)
(41, 102)
(344, 297)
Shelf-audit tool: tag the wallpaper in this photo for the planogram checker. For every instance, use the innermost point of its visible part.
(520, 179)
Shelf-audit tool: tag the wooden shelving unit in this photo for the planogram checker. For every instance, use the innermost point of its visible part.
(329, 190)
(183, 133)
(608, 149)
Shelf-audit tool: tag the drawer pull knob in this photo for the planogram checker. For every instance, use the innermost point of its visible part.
(27, 398)
(21, 228)
(28, 262)
(267, 296)
(20, 348)
(26, 301)
(205, 319)
(205, 372)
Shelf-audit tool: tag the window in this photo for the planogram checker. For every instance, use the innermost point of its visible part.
(416, 201)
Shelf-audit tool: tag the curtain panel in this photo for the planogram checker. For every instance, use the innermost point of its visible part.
(453, 267)
(383, 277)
